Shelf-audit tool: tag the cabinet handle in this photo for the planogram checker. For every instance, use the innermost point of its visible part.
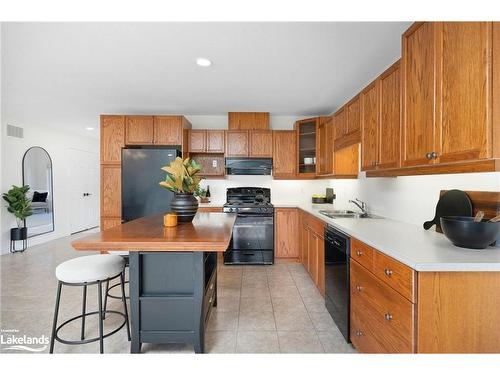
(428, 155)
(434, 155)
(359, 253)
(359, 333)
(388, 272)
(359, 288)
(388, 316)
(211, 286)
(210, 300)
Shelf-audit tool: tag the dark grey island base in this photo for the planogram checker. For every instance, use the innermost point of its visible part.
(171, 295)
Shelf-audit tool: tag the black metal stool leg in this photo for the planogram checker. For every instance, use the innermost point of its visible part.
(101, 328)
(105, 300)
(56, 312)
(122, 282)
(84, 305)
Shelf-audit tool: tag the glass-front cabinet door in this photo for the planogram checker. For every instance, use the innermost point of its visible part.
(307, 146)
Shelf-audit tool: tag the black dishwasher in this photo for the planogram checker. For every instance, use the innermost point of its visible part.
(337, 291)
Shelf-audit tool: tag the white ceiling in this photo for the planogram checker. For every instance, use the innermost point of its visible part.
(66, 74)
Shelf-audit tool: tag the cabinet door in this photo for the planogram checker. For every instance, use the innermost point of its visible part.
(466, 81)
(313, 256)
(325, 146)
(248, 120)
(112, 138)
(197, 140)
(284, 153)
(168, 130)
(107, 223)
(370, 126)
(346, 161)
(287, 232)
(340, 123)
(418, 95)
(215, 141)
(304, 240)
(237, 143)
(390, 119)
(353, 116)
(139, 130)
(261, 143)
(111, 199)
(321, 265)
(261, 120)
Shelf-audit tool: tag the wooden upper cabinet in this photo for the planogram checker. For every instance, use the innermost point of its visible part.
(237, 143)
(466, 84)
(346, 161)
(261, 143)
(197, 140)
(340, 123)
(287, 232)
(353, 116)
(168, 130)
(325, 146)
(370, 126)
(284, 153)
(139, 130)
(390, 118)
(248, 120)
(112, 138)
(215, 141)
(419, 85)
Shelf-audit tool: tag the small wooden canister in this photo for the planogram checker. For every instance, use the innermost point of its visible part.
(170, 219)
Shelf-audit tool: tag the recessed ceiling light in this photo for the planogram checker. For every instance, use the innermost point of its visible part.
(89, 128)
(201, 61)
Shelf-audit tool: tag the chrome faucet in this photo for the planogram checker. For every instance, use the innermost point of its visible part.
(361, 205)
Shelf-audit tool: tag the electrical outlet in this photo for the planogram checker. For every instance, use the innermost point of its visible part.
(214, 163)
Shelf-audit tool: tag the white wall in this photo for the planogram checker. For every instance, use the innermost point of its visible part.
(410, 199)
(57, 144)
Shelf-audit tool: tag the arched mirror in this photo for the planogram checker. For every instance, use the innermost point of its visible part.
(37, 173)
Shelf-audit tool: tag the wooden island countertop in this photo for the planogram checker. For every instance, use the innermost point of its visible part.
(209, 231)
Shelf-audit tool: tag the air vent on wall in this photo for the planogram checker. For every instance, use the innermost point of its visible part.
(14, 131)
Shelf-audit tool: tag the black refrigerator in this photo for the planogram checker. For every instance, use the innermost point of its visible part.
(141, 174)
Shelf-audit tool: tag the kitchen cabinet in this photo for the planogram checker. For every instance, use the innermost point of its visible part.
(370, 121)
(261, 143)
(109, 223)
(325, 146)
(340, 123)
(206, 141)
(306, 146)
(313, 249)
(112, 138)
(286, 238)
(111, 204)
(169, 130)
(353, 116)
(248, 120)
(284, 153)
(139, 130)
(347, 123)
(346, 162)
(237, 144)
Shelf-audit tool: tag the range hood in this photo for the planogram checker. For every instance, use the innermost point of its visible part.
(249, 166)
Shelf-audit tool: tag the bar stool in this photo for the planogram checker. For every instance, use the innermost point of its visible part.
(86, 271)
(124, 255)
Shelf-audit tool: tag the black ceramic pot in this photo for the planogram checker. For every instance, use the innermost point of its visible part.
(18, 234)
(185, 206)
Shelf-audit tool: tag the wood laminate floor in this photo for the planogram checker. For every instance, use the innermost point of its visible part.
(261, 309)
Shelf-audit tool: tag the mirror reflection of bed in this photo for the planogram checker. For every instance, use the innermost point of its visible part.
(37, 173)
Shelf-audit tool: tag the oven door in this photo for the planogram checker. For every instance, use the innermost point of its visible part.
(252, 241)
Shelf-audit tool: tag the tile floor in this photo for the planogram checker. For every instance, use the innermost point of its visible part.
(271, 309)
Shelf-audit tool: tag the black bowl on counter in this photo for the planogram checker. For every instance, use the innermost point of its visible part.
(464, 232)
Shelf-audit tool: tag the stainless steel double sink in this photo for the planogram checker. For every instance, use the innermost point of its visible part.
(347, 214)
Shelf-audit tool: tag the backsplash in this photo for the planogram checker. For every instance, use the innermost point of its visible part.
(283, 192)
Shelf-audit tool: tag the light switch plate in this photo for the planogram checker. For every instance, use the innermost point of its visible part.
(214, 163)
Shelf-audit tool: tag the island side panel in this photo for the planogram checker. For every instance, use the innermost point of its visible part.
(167, 296)
(458, 312)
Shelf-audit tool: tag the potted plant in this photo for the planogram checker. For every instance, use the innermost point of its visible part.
(201, 194)
(20, 206)
(183, 180)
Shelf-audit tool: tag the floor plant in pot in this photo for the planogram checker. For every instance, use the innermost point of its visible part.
(20, 206)
(183, 180)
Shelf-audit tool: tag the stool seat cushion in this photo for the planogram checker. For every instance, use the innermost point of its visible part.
(90, 268)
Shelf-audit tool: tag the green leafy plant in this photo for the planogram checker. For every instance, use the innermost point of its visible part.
(19, 204)
(200, 192)
(182, 176)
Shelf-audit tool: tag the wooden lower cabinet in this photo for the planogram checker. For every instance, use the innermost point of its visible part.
(107, 223)
(286, 235)
(312, 249)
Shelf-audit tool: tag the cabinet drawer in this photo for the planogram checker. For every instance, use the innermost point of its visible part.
(395, 274)
(390, 311)
(316, 225)
(362, 253)
(360, 334)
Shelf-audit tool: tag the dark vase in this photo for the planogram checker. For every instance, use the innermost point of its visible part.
(18, 234)
(185, 206)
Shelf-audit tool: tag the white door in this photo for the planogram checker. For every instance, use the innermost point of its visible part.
(83, 187)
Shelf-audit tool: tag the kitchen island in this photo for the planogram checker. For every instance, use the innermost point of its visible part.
(172, 275)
